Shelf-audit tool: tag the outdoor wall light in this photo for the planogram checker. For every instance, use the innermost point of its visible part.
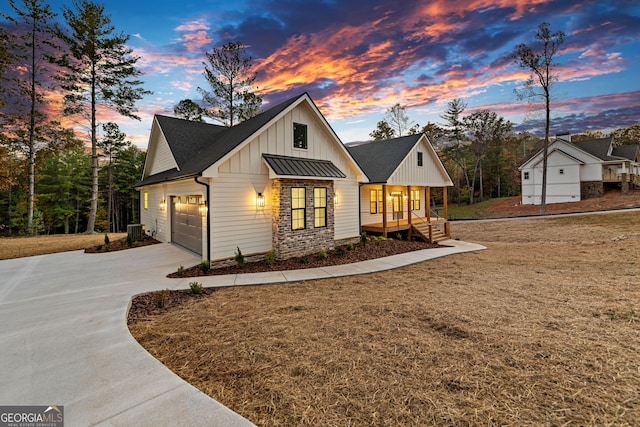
(163, 205)
(335, 199)
(202, 208)
(260, 202)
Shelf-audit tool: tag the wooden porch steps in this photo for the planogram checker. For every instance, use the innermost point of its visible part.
(422, 229)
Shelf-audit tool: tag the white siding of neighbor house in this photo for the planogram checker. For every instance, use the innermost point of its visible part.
(160, 159)
(235, 220)
(561, 188)
(156, 220)
(429, 174)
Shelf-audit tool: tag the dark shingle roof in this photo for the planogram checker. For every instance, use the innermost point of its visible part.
(627, 151)
(597, 147)
(196, 146)
(295, 166)
(379, 159)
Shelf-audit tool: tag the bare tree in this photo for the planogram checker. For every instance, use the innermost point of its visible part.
(398, 120)
(539, 61)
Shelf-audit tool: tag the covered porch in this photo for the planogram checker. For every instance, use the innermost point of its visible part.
(394, 209)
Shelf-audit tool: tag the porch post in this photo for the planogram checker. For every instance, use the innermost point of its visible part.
(447, 227)
(384, 210)
(427, 202)
(409, 212)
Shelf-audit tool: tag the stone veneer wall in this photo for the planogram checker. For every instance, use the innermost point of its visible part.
(591, 189)
(288, 243)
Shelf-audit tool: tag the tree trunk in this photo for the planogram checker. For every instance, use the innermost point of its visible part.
(91, 222)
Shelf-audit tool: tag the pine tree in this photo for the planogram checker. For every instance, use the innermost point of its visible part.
(100, 70)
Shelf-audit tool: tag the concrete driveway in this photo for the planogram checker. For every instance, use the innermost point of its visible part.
(64, 338)
(65, 341)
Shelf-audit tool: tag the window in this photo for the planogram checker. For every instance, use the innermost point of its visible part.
(415, 200)
(419, 158)
(320, 207)
(299, 136)
(526, 175)
(375, 201)
(561, 171)
(146, 200)
(298, 210)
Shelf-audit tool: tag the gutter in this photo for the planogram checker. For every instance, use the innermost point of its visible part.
(208, 216)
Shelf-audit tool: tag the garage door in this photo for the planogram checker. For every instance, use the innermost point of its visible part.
(186, 223)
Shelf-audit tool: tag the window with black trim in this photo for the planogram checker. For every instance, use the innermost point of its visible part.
(298, 208)
(419, 158)
(415, 200)
(561, 171)
(320, 207)
(526, 175)
(299, 136)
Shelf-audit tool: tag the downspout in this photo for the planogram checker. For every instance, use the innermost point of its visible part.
(208, 217)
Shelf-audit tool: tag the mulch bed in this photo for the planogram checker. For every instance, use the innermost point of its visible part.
(341, 255)
(119, 245)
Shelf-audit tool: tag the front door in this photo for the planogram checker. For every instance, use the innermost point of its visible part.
(397, 206)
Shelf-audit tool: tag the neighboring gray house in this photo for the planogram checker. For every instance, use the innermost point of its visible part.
(580, 170)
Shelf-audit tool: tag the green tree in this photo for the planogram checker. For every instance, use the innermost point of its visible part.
(539, 61)
(100, 71)
(433, 132)
(229, 73)
(485, 130)
(382, 131)
(111, 144)
(454, 129)
(189, 110)
(31, 48)
(127, 171)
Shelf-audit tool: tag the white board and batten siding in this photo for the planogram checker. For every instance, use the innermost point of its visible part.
(236, 221)
(160, 159)
(155, 219)
(430, 174)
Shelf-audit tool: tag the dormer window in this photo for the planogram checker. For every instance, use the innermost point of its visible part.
(299, 136)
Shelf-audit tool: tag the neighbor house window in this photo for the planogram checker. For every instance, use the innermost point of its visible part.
(526, 175)
(320, 207)
(419, 158)
(375, 204)
(299, 135)
(145, 200)
(298, 208)
(415, 200)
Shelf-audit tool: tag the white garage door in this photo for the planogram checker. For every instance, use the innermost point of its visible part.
(186, 223)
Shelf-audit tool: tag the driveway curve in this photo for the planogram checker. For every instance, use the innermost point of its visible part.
(65, 340)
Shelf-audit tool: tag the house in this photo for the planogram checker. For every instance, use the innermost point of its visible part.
(280, 181)
(580, 170)
(401, 173)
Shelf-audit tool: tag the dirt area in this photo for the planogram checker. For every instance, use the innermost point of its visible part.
(539, 329)
(613, 199)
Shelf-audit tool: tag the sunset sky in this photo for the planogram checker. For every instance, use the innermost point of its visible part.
(357, 58)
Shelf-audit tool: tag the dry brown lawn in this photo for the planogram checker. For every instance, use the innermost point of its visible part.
(17, 247)
(542, 328)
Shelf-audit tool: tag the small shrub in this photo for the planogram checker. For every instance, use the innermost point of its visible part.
(323, 255)
(129, 240)
(161, 297)
(270, 257)
(340, 252)
(99, 247)
(363, 238)
(399, 236)
(205, 266)
(106, 239)
(196, 288)
(349, 246)
(180, 271)
(239, 258)
(304, 260)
